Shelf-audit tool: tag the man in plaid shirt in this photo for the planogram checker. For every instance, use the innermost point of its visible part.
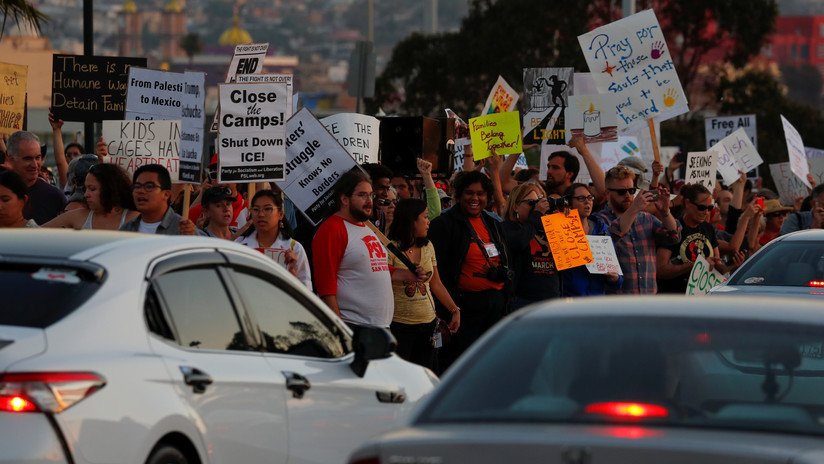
(636, 233)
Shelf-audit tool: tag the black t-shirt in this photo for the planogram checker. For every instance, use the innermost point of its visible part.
(695, 241)
(45, 202)
(531, 259)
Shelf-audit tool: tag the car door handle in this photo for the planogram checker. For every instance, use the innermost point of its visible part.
(296, 383)
(391, 396)
(196, 378)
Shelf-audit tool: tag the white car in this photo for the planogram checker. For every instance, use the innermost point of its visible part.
(128, 348)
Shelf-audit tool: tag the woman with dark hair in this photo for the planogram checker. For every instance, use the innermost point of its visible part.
(675, 262)
(474, 260)
(107, 198)
(14, 193)
(414, 320)
(272, 236)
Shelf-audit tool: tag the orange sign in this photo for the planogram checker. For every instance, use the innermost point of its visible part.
(567, 240)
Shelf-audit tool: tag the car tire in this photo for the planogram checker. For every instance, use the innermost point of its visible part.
(166, 454)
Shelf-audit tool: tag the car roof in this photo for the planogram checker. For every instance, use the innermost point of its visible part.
(705, 307)
(808, 235)
(56, 243)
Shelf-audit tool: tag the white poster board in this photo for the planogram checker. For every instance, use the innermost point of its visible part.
(815, 158)
(702, 279)
(788, 185)
(593, 117)
(359, 134)
(153, 94)
(314, 162)
(603, 253)
(701, 168)
(795, 148)
(502, 98)
(252, 131)
(462, 140)
(135, 143)
(629, 58)
(716, 128)
(247, 59)
(736, 153)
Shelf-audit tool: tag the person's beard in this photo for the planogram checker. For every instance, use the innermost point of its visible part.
(359, 214)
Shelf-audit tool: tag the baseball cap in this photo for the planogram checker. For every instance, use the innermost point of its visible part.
(216, 195)
(635, 163)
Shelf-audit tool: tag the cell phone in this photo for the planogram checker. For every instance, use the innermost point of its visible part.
(654, 195)
(759, 200)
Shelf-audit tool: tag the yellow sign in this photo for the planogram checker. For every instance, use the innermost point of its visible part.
(12, 97)
(498, 131)
(567, 240)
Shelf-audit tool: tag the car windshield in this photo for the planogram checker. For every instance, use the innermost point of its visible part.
(665, 371)
(38, 296)
(787, 263)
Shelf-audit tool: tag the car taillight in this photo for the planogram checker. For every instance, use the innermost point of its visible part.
(626, 410)
(46, 391)
(816, 283)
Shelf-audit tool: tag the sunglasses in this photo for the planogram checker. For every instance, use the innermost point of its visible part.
(704, 207)
(386, 202)
(622, 192)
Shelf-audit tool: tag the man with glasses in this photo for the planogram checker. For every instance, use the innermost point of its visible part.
(352, 273)
(210, 181)
(45, 200)
(152, 190)
(636, 233)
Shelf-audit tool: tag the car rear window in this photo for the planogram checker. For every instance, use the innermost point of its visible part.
(787, 263)
(717, 374)
(38, 296)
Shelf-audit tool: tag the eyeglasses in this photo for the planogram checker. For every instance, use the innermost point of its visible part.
(705, 207)
(622, 192)
(148, 186)
(583, 198)
(266, 210)
(364, 195)
(386, 202)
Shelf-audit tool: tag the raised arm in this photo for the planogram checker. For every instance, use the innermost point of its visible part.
(508, 181)
(595, 171)
(59, 150)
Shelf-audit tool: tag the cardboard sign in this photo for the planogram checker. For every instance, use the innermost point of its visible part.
(546, 93)
(359, 134)
(567, 240)
(247, 59)
(702, 279)
(815, 158)
(314, 162)
(605, 260)
(546, 150)
(502, 99)
(252, 131)
(701, 168)
(132, 144)
(13, 79)
(593, 117)
(630, 59)
(795, 148)
(719, 127)
(90, 88)
(462, 139)
(500, 131)
(788, 185)
(736, 153)
(156, 94)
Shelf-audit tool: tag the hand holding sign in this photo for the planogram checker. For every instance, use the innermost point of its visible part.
(567, 240)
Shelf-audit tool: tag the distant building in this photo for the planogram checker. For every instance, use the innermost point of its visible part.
(798, 40)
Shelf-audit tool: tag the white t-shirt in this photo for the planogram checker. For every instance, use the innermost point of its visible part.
(278, 254)
(148, 227)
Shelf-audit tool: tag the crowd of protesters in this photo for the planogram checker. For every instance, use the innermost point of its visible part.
(475, 241)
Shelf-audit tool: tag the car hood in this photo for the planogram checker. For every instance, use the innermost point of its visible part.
(571, 443)
(19, 343)
(766, 290)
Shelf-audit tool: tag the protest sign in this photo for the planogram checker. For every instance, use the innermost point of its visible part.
(502, 99)
(788, 185)
(815, 158)
(629, 58)
(546, 91)
(500, 132)
(547, 150)
(359, 134)
(247, 59)
(593, 117)
(719, 127)
(462, 139)
(90, 88)
(252, 131)
(613, 152)
(13, 80)
(795, 148)
(604, 259)
(567, 239)
(584, 84)
(156, 94)
(132, 144)
(701, 168)
(314, 163)
(703, 278)
(736, 153)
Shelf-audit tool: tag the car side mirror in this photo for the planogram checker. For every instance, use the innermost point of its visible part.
(371, 343)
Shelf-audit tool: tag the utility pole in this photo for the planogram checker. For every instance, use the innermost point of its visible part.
(88, 50)
(628, 7)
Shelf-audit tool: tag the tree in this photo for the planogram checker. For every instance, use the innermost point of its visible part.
(427, 73)
(21, 11)
(191, 45)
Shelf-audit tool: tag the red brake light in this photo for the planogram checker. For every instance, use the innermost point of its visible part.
(46, 391)
(816, 283)
(627, 410)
